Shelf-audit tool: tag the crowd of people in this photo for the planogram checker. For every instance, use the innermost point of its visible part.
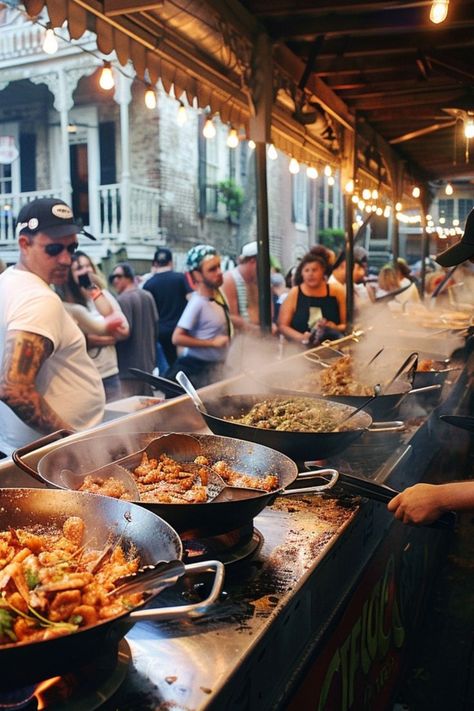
(67, 343)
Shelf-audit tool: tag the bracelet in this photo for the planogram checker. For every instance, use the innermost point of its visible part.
(96, 294)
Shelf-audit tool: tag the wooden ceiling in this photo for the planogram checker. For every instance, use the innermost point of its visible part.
(392, 67)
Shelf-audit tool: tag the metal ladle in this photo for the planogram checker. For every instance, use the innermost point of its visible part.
(377, 391)
(187, 385)
(74, 480)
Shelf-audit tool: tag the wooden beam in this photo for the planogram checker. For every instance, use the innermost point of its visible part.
(121, 7)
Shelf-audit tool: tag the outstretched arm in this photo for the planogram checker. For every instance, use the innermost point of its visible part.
(424, 503)
(23, 357)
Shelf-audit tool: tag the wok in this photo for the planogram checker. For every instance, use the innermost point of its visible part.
(155, 540)
(231, 511)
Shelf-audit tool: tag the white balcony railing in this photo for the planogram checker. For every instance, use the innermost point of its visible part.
(10, 205)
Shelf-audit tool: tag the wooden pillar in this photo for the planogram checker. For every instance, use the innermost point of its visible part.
(263, 239)
(124, 96)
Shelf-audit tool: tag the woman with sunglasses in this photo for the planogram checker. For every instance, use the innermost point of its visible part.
(100, 319)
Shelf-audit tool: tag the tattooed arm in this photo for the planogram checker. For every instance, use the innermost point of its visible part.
(23, 357)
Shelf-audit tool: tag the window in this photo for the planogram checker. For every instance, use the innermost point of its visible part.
(446, 209)
(208, 171)
(326, 211)
(300, 200)
(464, 208)
(6, 186)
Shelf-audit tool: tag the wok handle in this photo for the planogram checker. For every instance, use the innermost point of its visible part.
(395, 426)
(183, 611)
(32, 447)
(330, 476)
(426, 389)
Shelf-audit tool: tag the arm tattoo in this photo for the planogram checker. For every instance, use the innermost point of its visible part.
(23, 357)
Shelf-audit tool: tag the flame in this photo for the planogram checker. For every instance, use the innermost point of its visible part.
(40, 690)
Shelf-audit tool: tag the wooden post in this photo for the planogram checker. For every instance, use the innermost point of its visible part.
(263, 239)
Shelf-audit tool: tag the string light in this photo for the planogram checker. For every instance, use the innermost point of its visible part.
(182, 114)
(209, 130)
(469, 128)
(416, 192)
(150, 98)
(355, 199)
(375, 194)
(233, 138)
(349, 188)
(449, 190)
(311, 172)
(327, 171)
(50, 42)
(252, 145)
(331, 180)
(106, 80)
(366, 194)
(294, 166)
(439, 11)
(398, 206)
(272, 153)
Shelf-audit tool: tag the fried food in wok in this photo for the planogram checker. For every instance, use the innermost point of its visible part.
(53, 582)
(296, 414)
(340, 379)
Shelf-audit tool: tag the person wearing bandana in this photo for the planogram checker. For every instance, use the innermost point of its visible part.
(204, 330)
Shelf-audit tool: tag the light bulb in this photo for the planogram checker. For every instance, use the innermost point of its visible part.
(50, 43)
(398, 206)
(106, 80)
(182, 115)
(361, 204)
(209, 130)
(416, 192)
(368, 208)
(327, 171)
(379, 211)
(428, 218)
(294, 166)
(331, 180)
(349, 187)
(442, 220)
(366, 194)
(449, 190)
(386, 212)
(469, 128)
(439, 11)
(375, 194)
(355, 199)
(150, 98)
(251, 145)
(455, 223)
(233, 138)
(373, 208)
(272, 153)
(311, 172)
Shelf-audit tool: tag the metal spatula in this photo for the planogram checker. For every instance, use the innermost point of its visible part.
(466, 422)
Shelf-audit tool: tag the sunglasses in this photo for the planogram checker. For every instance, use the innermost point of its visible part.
(55, 248)
(115, 276)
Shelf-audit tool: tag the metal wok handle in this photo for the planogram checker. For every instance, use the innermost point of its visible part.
(395, 426)
(32, 447)
(426, 389)
(183, 611)
(330, 476)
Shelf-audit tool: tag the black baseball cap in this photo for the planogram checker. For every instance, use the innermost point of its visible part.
(163, 256)
(461, 251)
(51, 216)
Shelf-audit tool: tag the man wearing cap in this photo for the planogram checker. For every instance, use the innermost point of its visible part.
(47, 380)
(205, 328)
(424, 503)
(170, 290)
(241, 289)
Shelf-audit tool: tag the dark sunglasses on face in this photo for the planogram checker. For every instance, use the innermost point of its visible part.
(55, 248)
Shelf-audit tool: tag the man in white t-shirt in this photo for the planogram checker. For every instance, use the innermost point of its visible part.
(47, 380)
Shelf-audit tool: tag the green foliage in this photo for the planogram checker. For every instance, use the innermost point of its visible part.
(332, 239)
(232, 196)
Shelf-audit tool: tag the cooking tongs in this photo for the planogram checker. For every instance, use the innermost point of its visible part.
(377, 492)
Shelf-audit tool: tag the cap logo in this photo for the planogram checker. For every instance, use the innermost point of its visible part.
(33, 223)
(62, 211)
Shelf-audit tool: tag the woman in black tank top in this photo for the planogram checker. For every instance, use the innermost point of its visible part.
(313, 301)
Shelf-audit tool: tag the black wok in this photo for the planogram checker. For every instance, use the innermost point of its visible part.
(154, 539)
(210, 518)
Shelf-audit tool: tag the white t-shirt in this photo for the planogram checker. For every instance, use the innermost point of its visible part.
(68, 379)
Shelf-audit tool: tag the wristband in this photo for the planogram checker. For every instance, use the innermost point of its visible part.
(96, 295)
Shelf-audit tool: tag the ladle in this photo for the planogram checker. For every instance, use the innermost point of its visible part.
(74, 480)
(377, 391)
(187, 385)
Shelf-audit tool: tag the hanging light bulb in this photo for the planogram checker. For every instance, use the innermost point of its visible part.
(361, 204)
(150, 98)
(355, 199)
(449, 190)
(209, 130)
(379, 211)
(272, 153)
(50, 42)
(311, 172)
(386, 212)
(469, 128)
(106, 80)
(375, 194)
(252, 145)
(398, 207)
(182, 115)
(439, 11)
(327, 171)
(366, 194)
(455, 223)
(349, 187)
(331, 180)
(416, 192)
(442, 220)
(233, 138)
(294, 166)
